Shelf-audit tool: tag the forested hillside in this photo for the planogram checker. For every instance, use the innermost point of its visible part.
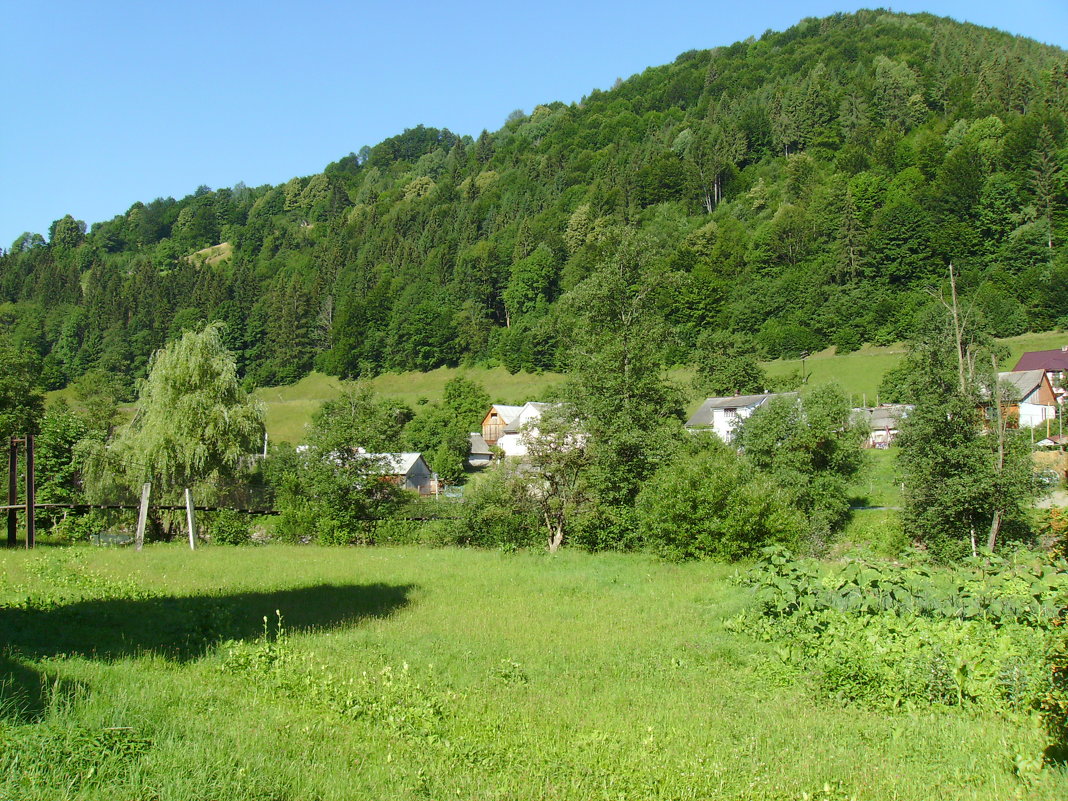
(798, 190)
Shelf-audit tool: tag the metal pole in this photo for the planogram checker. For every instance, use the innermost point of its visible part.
(12, 493)
(31, 495)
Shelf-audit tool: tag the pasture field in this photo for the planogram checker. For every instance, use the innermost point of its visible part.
(419, 673)
(290, 408)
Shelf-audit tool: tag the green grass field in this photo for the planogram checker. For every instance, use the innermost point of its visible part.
(409, 673)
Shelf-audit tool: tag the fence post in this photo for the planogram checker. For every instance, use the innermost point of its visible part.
(142, 515)
(190, 519)
(31, 495)
(12, 493)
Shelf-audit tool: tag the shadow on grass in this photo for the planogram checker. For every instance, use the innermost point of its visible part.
(174, 627)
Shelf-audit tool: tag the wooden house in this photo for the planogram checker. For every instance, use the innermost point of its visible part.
(1054, 363)
(1032, 400)
(510, 427)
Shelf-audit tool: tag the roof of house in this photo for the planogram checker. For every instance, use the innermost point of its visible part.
(506, 413)
(1023, 382)
(478, 444)
(1053, 360)
(396, 464)
(888, 415)
(703, 416)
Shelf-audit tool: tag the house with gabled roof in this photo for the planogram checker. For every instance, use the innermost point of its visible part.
(883, 422)
(510, 427)
(723, 415)
(1054, 363)
(407, 470)
(499, 420)
(1031, 398)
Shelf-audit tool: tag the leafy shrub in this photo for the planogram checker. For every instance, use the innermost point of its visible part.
(78, 528)
(712, 503)
(495, 515)
(1054, 704)
(230, 528)
(892, 636)
(417, 532)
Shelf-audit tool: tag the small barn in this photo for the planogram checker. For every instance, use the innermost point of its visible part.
(407, 470)
(479, 452)
(883, 422)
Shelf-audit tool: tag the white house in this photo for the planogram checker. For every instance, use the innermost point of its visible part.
(723, 415)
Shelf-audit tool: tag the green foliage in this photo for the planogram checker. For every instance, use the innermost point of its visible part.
(440, 431)
(57, 457)
(194, 422)
(21, 401)
(727, 365)
(891, 635)
(335, 488)
(1053, 705)
(497, 513)
(228, 527)
(811, 447)
(711, 503)
(966, 473)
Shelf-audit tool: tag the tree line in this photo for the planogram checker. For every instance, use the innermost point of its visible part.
(796, 191)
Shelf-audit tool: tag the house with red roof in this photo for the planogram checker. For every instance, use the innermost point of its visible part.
(1054, 363)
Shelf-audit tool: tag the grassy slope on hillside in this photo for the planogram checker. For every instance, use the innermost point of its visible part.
(289, 408)
(859, 373)
(414, 673)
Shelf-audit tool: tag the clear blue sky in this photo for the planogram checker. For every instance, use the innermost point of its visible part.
(107, 103)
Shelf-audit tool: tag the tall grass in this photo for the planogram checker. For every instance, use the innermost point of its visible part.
(412, 673)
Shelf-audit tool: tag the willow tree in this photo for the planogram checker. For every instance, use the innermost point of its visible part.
(193, 423)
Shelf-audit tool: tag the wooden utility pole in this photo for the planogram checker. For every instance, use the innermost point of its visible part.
(142, 515)
(31, 495)
(190, 519)
(12, 493)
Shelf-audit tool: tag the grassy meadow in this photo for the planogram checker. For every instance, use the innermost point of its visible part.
(416, 673)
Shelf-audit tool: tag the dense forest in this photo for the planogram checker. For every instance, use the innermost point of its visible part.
(795, 191)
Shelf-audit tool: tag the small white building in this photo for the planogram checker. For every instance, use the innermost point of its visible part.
(724, 415)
